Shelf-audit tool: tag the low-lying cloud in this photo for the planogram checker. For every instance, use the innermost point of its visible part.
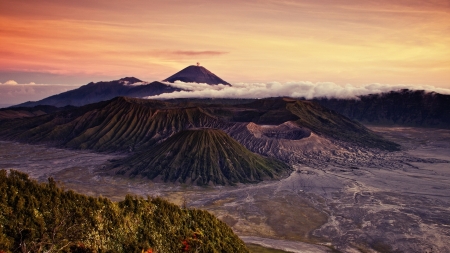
(19, 93)
(10, 82)
(299, 89)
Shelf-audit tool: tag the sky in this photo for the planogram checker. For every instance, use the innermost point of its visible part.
(64, 44)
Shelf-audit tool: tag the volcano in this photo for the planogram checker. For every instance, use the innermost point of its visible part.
(196, 74)
(203, 156)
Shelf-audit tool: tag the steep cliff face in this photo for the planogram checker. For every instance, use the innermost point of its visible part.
(201, 156)
(403, 108)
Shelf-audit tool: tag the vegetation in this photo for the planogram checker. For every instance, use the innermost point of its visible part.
(203, 156)
(38, 217)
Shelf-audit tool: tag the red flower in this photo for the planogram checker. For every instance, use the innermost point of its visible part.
(186, 245)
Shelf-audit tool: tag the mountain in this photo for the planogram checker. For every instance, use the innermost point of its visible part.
(130, 124)
(195, 74)
(102, 91)
(201, 156)
(38, 217)
(120, 124)
(159, 131)
(25, 112)
(403, 108)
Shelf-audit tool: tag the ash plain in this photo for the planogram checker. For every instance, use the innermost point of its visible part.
(373, 202)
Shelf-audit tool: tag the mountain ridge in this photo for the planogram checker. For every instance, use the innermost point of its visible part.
(129, 123)
(401, 108)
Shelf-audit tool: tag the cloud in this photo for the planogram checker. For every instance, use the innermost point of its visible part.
(304, 89)
(10, 82)
(32, 83)
(15, 94)
(198, 53)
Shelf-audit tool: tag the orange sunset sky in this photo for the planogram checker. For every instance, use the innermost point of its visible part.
(340, 41)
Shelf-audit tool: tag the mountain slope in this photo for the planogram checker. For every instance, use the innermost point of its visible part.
(309, 115)
(102, 91)
(202, 156)
(27, 112)
(128, 124)
(404, 108)
(38, 217)
(116, 125)
(329, 123)
(195, 74)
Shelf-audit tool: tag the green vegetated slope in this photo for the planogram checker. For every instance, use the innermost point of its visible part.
(38, 217)
(202, 156)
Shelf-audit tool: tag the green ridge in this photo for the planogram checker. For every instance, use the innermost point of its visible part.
(202, 156)
(38, 217)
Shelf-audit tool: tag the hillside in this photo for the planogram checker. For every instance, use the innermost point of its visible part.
(27, 112)
(128, 124)
(201, 156)
(308, 115)
(44, 218)
(402, 108)
(121, 124)
(102, 91)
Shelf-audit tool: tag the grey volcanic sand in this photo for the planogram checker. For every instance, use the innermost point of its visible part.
(397, 201)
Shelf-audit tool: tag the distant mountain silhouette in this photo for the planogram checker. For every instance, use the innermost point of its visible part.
(27, 112)
(196, 74)
(403, 108)
(102, 91)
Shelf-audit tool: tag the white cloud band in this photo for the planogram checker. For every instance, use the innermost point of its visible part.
(304, 89)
